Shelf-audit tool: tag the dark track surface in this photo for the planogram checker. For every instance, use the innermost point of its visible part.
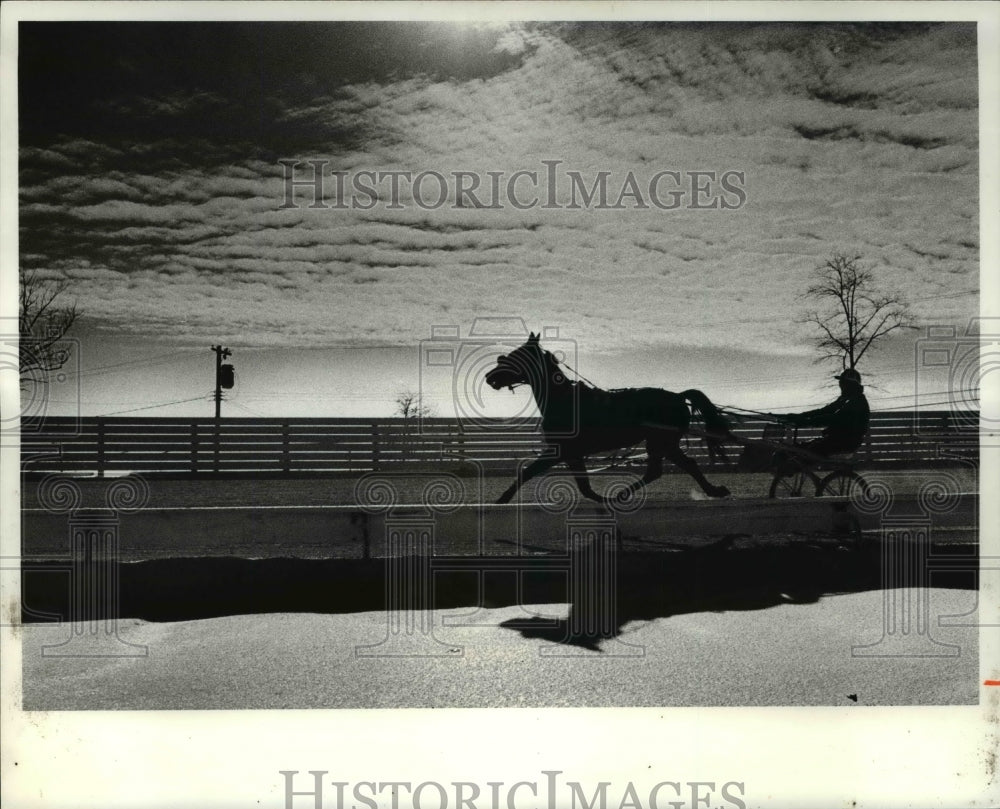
(211, 491)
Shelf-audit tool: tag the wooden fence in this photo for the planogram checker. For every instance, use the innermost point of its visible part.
(260, 446)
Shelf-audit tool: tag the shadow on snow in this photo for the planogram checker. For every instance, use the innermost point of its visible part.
(731, 574)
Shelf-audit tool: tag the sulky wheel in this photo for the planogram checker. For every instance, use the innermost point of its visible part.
(843, 483)
(795, 483)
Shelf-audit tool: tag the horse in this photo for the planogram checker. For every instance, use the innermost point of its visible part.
(579, 420)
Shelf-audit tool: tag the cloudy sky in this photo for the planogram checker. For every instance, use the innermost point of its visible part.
(153, 161)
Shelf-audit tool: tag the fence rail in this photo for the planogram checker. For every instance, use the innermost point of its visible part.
(114, 446)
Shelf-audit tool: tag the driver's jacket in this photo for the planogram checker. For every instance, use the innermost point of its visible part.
(845, 420)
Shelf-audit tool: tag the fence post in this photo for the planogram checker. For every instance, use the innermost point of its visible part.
(100, 448)
(216, 447)
(376, 461)
(286, 448)
(194, 446)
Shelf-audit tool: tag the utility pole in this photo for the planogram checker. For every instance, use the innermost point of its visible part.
(221, 354)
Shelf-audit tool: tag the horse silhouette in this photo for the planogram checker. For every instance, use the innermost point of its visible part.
(579, 420)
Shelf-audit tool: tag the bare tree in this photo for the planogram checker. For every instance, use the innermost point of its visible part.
(854, 314)
(42, 323)
(411, 406)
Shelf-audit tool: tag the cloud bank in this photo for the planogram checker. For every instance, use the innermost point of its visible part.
(151, 178)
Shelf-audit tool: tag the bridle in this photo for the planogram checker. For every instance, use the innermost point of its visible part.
(555, 361)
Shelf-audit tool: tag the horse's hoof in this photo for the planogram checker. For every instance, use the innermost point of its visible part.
(723, 492)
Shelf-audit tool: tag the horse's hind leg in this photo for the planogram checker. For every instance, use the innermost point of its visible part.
(676, 455)
(716, 452)
(535, 468)
(654, 470)
(579, 469)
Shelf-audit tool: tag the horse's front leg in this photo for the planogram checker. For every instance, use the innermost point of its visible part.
(536, 467)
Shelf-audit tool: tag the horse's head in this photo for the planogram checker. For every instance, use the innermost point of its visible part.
(524, 365)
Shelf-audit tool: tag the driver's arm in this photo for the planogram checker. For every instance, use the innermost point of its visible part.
(814, 417)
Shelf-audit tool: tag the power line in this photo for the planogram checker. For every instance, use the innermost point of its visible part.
(248, 410)
(162, 404)
(951, 404)
(950, 295)
(909, 396)
(933, 393)
(158, 359)
(88, 402)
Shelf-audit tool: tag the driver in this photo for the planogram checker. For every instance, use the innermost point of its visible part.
(845, 420)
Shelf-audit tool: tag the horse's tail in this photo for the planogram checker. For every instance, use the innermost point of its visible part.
(715, 422)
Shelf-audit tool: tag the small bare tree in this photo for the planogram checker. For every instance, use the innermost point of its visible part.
(411, 405)
(854, 314)
(42, 324)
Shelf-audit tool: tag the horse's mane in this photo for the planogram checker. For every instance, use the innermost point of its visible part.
(578, 383)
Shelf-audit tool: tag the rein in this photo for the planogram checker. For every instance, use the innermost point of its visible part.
(576, 373)
(566, 365)
(742, 412)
